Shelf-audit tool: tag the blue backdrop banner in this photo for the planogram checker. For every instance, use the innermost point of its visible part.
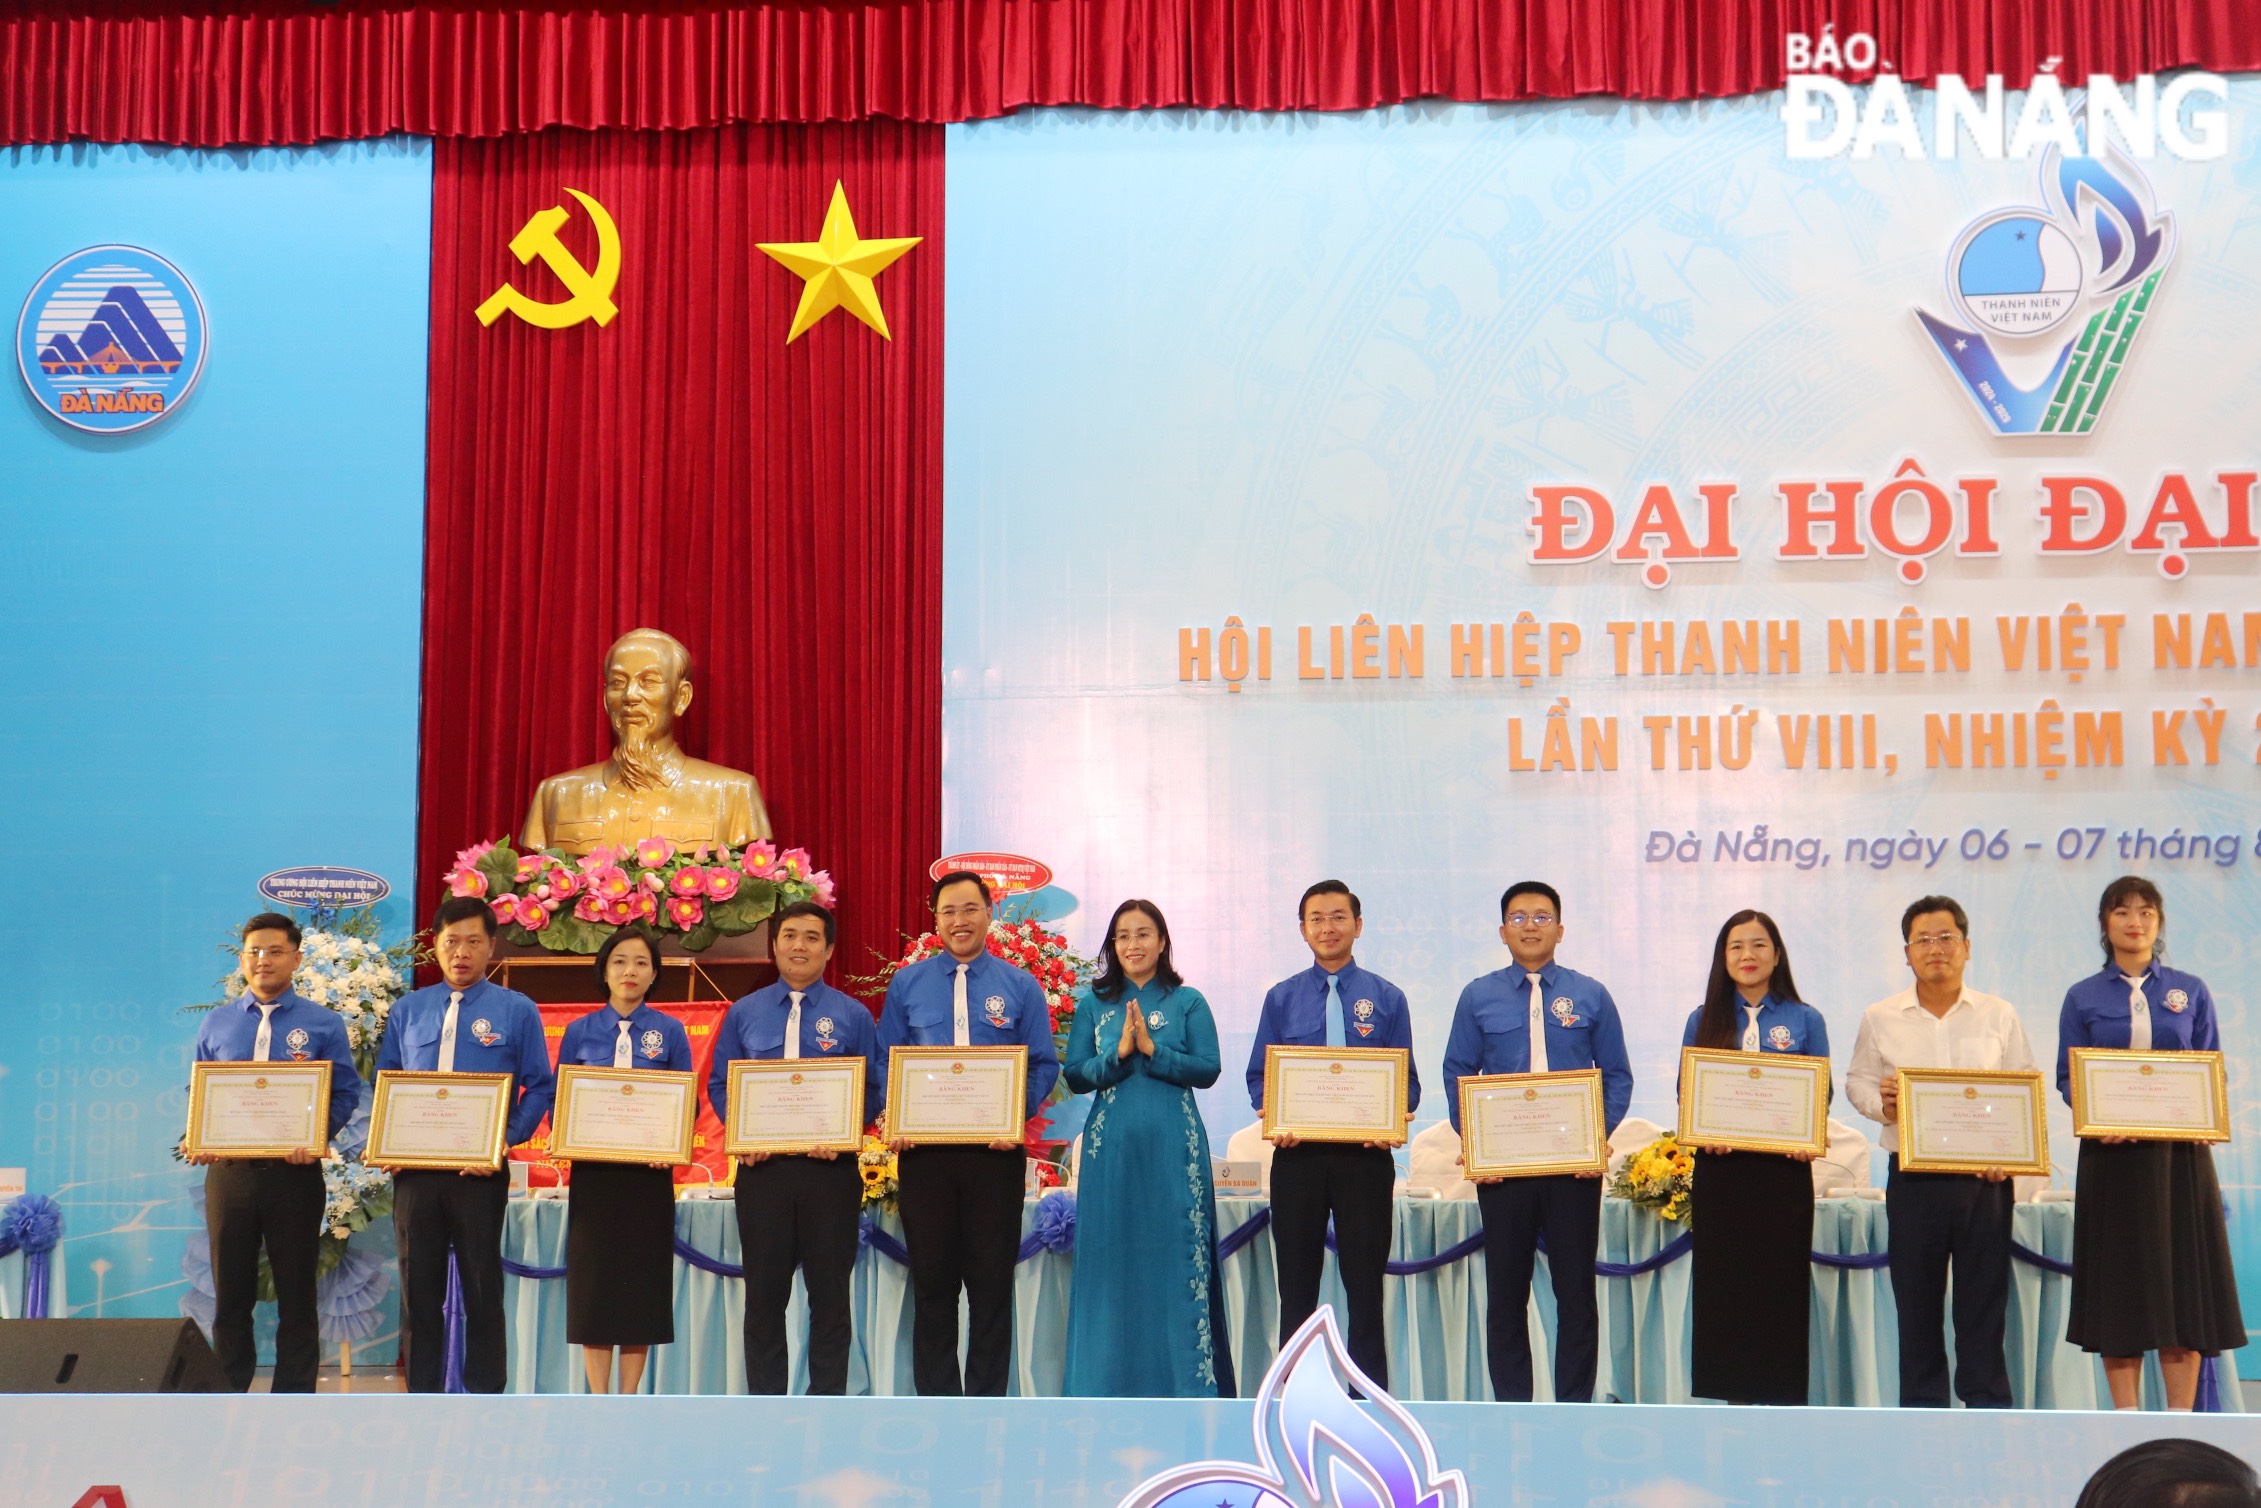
(1450, 495)
(216, 614)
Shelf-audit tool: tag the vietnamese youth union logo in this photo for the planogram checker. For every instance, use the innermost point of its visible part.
(111, 339)
(1315, 1447)
(2049, 298)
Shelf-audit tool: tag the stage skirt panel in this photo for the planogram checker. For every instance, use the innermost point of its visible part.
(1752, 1285)
(2151, 1252)
(620, 1255)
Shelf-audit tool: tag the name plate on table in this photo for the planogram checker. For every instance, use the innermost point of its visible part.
(1967, 1121)
(1754, 1101)
(623, 1115)
(963, 1095)
(445, 1121)
(795, 1105)
(258, 1109)
(1523, 1125)
(1354, 1094)
(2153, 1096)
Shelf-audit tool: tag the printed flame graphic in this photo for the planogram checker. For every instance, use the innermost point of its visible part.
(1336, 1454)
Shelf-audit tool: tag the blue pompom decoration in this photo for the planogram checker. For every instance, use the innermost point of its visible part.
(1056, 1222)
(32, 1225)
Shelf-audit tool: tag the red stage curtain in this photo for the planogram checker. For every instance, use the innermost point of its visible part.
(275, 71)
(777, 508)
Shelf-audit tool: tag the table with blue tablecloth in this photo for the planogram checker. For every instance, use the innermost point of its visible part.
(1435, 1316)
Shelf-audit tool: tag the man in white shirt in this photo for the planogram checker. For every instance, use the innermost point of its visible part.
(1942, 1218)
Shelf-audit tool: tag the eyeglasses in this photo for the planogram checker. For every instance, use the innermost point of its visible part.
(258, 955)
(1925, 940)
(1530, 918)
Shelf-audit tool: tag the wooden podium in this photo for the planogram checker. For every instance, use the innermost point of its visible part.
(734, 966)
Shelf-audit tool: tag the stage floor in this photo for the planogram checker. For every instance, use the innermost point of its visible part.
(567, 1452)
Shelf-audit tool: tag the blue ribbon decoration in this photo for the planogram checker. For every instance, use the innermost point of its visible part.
(1055, 1232)
(33, 1225)
(1060, 1237)
(451, 1373)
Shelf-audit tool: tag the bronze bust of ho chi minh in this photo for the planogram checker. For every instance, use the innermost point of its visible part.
(649, 787)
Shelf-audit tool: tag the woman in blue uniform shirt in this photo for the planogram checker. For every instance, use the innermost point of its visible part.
(1749, 1285)
(620, 1218)
(2151, 1253)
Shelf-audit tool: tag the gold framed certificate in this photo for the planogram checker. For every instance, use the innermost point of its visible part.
(623, 1115)
(2152, 1096)
(447, 1121)
(957, 1095)
(1962, 1120)
(1754, 1101)
(796, 1105)
(258, 1109)
(1523, 1125)
(1354, 1094)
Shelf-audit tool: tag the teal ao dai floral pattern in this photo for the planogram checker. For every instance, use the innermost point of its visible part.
(1146, 1317)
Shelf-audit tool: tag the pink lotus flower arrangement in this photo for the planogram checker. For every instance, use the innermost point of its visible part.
(569, 904)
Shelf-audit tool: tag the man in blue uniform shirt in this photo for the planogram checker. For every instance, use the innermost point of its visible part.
(962, 1204)
(1538, 1017)
(1334, 1003)
(275, 1201)
(799, 1210)
(463, 1025)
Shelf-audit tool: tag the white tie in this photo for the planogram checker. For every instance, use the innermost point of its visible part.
(1538, 1026)
(2139, 1015)
(1750, 1028)
(620, 1054)
(447, 1032)
(262, 1044)
(960, 1032)
(793, 1026)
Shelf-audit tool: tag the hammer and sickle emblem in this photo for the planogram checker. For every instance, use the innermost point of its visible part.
(591, 290)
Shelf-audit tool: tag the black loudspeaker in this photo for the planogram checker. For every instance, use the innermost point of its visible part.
(107, 1356)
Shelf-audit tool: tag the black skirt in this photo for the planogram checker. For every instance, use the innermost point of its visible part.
(1752, 1289)
(620, 1255)
(2151, 1252)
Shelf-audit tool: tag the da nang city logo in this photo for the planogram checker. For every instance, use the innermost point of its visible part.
(1315, 1446)
(2048, 300)
(111, 339)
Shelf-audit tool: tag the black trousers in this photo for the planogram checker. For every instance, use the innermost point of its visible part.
(800, 1212)
(1311, 1181)
(434, 1213)
(1516, 1211)
(1941, 1221)
(961, 1211)
(247, 1203)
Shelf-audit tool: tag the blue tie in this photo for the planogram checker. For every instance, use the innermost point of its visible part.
(1335, 1035)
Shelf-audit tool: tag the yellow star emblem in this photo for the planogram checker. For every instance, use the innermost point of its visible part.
(838, 268)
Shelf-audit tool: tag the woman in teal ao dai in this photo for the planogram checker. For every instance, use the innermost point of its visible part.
(1146, 1316)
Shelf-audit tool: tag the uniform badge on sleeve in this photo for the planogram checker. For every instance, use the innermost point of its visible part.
(484, 1033)
(1564, 1012)
(1363, 1012)
(2177, 1001)
(1778, 1038)
(825, 1040)
(993, 1011)
(654, 1045)
(297, 1042)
